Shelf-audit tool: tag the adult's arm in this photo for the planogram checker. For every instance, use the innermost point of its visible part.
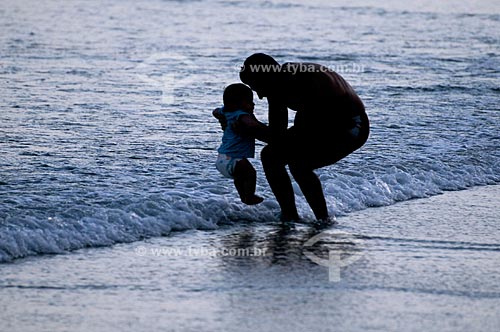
(278, 117)
(249, 125)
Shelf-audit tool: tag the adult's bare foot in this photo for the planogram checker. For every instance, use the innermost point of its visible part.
(253, 200)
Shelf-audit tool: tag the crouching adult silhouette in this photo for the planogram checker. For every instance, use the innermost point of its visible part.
(330, 123)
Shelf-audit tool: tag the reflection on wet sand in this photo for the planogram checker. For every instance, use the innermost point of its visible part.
(296, 246)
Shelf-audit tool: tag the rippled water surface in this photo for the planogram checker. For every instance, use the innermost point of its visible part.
(105, 109)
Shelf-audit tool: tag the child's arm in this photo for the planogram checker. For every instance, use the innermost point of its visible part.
(250, 126)
(217, 113)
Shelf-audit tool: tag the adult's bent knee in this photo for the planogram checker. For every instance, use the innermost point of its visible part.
(265, 153)
(268, 155)
(271, 158)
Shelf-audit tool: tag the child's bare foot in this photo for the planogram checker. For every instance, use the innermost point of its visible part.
(252, 200)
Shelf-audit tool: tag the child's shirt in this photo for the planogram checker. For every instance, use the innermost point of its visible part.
(234, 145)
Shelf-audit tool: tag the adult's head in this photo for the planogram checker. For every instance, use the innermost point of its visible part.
(259, 72)
(238, 96)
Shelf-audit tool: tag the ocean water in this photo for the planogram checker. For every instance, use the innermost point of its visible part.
(106, 134)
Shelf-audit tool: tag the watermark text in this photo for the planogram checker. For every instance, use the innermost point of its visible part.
(200, 252)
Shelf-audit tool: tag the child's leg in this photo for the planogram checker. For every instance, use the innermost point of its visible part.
(245, 179)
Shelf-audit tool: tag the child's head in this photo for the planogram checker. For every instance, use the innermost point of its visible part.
(238, 97)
